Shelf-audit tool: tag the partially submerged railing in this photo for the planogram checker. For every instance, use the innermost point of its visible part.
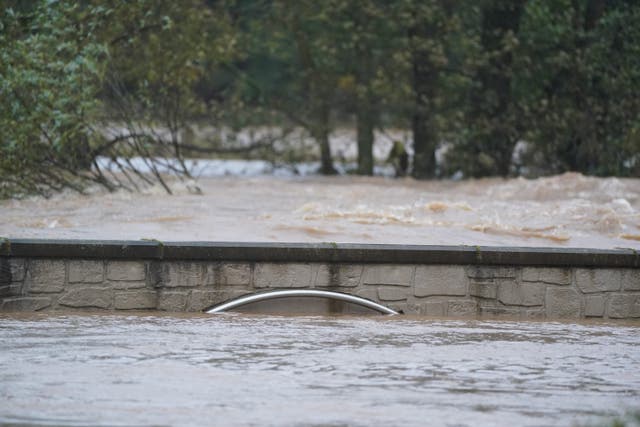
(297, 293)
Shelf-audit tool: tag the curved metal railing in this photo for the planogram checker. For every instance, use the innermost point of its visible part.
(265, 296)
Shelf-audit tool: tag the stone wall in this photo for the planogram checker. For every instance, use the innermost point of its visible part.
(433, 289)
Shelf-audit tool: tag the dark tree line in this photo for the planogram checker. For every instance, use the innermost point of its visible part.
(508, 86)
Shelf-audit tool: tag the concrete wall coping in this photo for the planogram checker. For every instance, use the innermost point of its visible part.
(319, 252)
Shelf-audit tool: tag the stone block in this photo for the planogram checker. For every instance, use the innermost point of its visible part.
(398, 275)
(86, 271)
(44, 276)
(323, 275)
(631, 279)
(392, 293)
(485, 272)
(549, 275)
(126, 270)
(412, 309)
(5, 272)
(236, 274)
(11, 270)
(434, 308)
(500, 311)
(624, 306)
(562, 303)
(156, 274)
(184, 274)
(460, 308)
(598, 280)
(449, 280)
(282, 275)
(532, 294)
(229, 274)
(534, 314)
(17, 267)
(201, 299)
(172, 301)
(525, 294)
(135, 300)
(349, 275)
(87, 297)
(25, 303)
(339, 275)
(12, 290)
(483, 290)
(125, 284)
(368, 293)
(594, 306)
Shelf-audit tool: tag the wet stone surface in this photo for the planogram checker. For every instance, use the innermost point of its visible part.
(523, 292)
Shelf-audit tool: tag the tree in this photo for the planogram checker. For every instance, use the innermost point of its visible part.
(581, 79)
(429, 26)
(159, 53)
(293, 40)
(495, 127)
(72, 72)
(366, 38)
(51, 68)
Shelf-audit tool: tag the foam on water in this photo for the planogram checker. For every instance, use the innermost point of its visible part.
(568, 210)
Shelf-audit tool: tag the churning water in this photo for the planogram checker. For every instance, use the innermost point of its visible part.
(569, 210)
(232, 369)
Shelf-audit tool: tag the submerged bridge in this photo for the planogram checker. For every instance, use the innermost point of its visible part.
(441, 281)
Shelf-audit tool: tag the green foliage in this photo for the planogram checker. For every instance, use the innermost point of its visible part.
(161, 51)
(298, 38)
(96, 79)
(51, 68)
(73, 71)
(572, 72)
(582, 104)
(492, 123)
(161, 55)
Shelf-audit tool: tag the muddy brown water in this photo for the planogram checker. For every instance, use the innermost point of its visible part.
(568, 210)
(238, 370)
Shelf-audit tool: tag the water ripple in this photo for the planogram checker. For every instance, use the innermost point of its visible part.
(284, 371)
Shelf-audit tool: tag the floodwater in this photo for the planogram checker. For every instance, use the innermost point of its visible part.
(568, 210)
(232, 369)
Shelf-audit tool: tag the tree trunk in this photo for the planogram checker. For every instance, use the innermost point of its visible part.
(365, 119)
(320, 133)
(593, 13)
(577, 155)
(492, 101)
(365, 111)
(320, 91)
(425, 81)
